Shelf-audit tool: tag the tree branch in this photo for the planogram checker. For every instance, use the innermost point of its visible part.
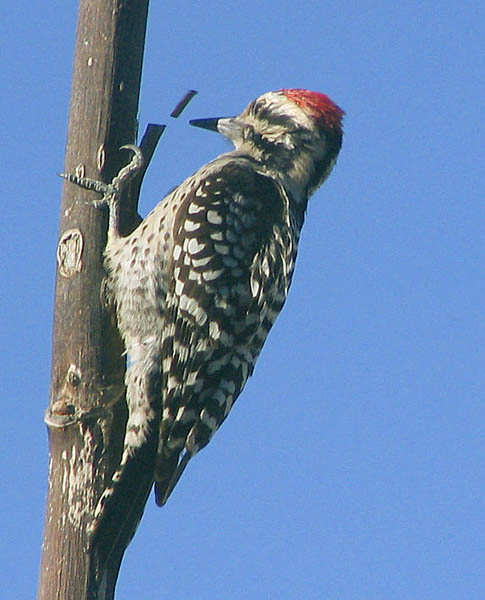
(85, 417)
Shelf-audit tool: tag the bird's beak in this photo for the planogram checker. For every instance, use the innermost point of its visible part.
(210, 124)
(229, 127)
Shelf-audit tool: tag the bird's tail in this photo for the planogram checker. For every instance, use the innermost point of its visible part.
(121, 505)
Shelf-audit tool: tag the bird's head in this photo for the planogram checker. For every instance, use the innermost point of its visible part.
(294, 134)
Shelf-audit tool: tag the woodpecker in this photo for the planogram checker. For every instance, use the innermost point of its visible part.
(198, 285)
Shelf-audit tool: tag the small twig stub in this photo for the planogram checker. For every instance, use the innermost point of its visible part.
(177, 111)
(69, 253)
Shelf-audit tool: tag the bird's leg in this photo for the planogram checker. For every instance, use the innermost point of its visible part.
(113, 191)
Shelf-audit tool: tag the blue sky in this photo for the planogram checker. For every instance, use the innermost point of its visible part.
(353, 464)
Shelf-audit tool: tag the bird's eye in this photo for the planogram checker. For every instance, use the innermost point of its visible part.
(257, 109)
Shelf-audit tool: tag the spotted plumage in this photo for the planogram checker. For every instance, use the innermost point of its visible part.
(228, 277)
(198, 285)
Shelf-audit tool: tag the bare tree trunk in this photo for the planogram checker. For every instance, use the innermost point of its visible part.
(86, 415)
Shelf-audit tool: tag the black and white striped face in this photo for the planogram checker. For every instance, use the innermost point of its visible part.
(273, 120)
(296, 134)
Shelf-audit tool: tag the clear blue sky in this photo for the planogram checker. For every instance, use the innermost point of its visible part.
(352, 467)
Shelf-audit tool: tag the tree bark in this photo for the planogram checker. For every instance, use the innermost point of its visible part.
(86, 415)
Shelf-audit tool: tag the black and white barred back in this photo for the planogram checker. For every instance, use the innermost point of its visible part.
(198, 285)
